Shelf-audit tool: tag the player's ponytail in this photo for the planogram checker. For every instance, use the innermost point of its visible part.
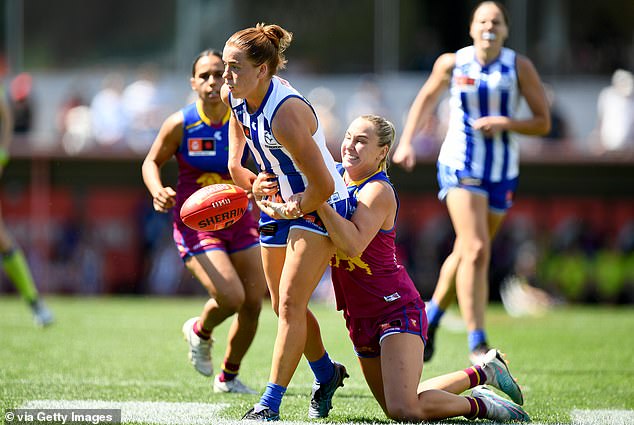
(264, 44)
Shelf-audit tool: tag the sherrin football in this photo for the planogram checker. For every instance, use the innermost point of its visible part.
(214, 207)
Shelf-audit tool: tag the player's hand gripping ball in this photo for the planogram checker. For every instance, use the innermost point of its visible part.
(214, 207)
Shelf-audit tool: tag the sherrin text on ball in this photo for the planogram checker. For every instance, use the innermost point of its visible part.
(214, 207)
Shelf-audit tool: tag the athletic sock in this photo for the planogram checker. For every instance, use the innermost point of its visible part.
(272, 397)
(476, 337)
(200, 331)
(477, 408)
(323, 369)
(476, 376)
(229, 371)
(434, 313)
(17, 269)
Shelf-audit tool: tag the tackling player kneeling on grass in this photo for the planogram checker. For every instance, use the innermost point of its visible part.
(384, 312)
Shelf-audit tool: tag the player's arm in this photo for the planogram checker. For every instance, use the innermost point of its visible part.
(163, 148)
(293, 126)
(422, 109)
(6, 120)
(240, 175)
(376, 207)
(533, 91)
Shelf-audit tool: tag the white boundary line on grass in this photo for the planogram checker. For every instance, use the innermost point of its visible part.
(600, 417)
(170, 413)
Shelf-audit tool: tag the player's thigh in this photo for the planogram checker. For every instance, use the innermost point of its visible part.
(307, 256)
(402, 367)
(468, 211)
(217, 273)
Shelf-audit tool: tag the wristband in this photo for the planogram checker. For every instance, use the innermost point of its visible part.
(4, 157)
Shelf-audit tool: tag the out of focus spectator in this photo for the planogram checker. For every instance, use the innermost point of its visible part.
(141, 105)
(73, 123)
(615, 107)
(106, 110)
(73, 100)
(20, 94)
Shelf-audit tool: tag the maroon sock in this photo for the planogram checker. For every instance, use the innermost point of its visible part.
(201, 332)
(229, 371)
(476, 376)
(477, 408)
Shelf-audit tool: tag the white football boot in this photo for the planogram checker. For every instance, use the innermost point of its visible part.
(233, 386)
(499, 408)
(199, 349)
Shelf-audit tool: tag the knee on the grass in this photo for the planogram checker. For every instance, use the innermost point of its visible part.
(414, 410)
(402, 410)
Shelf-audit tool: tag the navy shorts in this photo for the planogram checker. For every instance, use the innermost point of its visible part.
(500, 194)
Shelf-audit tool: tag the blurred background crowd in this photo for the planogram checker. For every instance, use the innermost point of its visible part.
(91, 82)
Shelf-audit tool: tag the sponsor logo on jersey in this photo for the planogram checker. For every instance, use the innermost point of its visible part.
(247, 131)
(464, 80)
(392, 297)
(201, 147)
(270, 142)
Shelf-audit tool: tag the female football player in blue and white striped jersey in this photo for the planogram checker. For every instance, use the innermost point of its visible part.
(286, 139)
(478, 165)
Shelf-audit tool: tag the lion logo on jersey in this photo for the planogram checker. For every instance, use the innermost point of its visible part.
(207, 179)
(353, 262)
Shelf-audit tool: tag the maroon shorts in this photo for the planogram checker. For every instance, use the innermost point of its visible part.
(367, 333)
(241, 235)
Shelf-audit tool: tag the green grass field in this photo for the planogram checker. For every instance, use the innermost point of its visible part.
(575, 364)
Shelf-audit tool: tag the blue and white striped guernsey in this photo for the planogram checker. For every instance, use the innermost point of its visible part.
(477, 91)
(269, 154)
